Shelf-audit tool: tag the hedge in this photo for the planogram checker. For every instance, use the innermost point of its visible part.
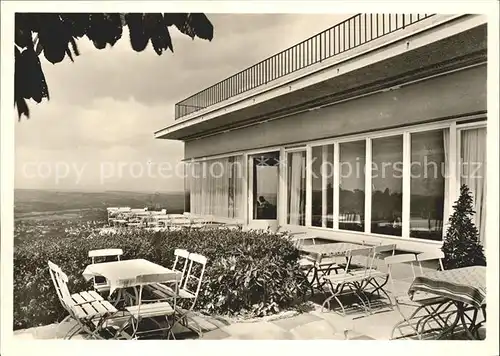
(248, 273)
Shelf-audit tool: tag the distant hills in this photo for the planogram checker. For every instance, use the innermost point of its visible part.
(36, 200)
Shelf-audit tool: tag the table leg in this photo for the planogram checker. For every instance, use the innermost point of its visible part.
(473, 328)
(451, 328)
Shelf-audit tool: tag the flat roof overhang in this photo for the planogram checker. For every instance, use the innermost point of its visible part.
(450, 45)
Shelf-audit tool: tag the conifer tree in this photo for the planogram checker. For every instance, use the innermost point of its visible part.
(461, 245)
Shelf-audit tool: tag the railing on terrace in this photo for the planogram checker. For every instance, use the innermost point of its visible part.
(352, 32)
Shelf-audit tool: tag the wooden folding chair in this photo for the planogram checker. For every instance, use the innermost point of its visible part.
(424, 305)
(88, 309)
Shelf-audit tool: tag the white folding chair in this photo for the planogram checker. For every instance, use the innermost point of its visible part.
(88, 309)
(424, 305)
(154, 308)
(178, 221)
(354, 282)
(376, 280)
(180, 265)
(436, 256)
(191, 289)
(100, 283)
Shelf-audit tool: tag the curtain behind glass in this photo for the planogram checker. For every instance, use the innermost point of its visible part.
(296, 187)
(473, 173)
(216, 187)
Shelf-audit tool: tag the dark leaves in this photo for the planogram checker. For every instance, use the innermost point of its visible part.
(195, 24)
(138, 38)
(29, 80)
(56, 36)
(104, 29)
(22, 30)
(202, 26)
(156, 29)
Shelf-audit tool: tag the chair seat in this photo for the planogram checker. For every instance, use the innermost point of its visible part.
(329, 263)
(353, 276)
(95, 309)
(163, 291)
(420, 299)
(150, 310)
(306, 262)
(370, 273)
(86, 297)
(340, 278)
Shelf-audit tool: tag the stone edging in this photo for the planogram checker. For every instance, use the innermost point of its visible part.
(281, 315)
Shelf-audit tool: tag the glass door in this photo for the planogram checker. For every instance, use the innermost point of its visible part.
(263, 187)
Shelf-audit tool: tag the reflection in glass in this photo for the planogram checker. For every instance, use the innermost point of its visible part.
(322, 186)
(265, 185)
(387, 185)
(428, 164)
(352, 186)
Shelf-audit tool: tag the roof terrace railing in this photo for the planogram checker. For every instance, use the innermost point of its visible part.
(350, 33)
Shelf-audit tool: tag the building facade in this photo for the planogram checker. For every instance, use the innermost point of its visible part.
(364, 132)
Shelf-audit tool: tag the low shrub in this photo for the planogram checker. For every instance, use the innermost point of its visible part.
(248, 273)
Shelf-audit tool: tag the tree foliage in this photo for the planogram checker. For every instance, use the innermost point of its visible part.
(461, 246)
(55, 35)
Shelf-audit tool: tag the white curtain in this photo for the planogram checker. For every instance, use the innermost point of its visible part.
(295, 188)
(473, 173)
(237, 187)
(214, 188)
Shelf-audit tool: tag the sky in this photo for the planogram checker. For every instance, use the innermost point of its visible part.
(96, 132)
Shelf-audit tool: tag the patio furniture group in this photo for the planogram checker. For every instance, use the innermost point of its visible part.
(160, 220)
(442, 302)
(142, 298)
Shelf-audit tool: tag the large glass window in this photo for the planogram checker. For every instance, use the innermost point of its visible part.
(322, 186)
(387, 185)
(215, 187)
(352, 186)
(428, 167)
(296, 188)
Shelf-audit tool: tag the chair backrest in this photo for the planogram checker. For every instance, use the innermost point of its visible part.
(109, 252)
(390, 261)
(194, 275)
(365, 252)
(138, 210)
(179, 220)
(60, 281)
(299, 239)
(379, 249)
(181, 255)
(145, 279)
(430, 256)
(258, 225)
(154, 278)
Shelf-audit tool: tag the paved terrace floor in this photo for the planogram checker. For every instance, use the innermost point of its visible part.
(309, 325)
